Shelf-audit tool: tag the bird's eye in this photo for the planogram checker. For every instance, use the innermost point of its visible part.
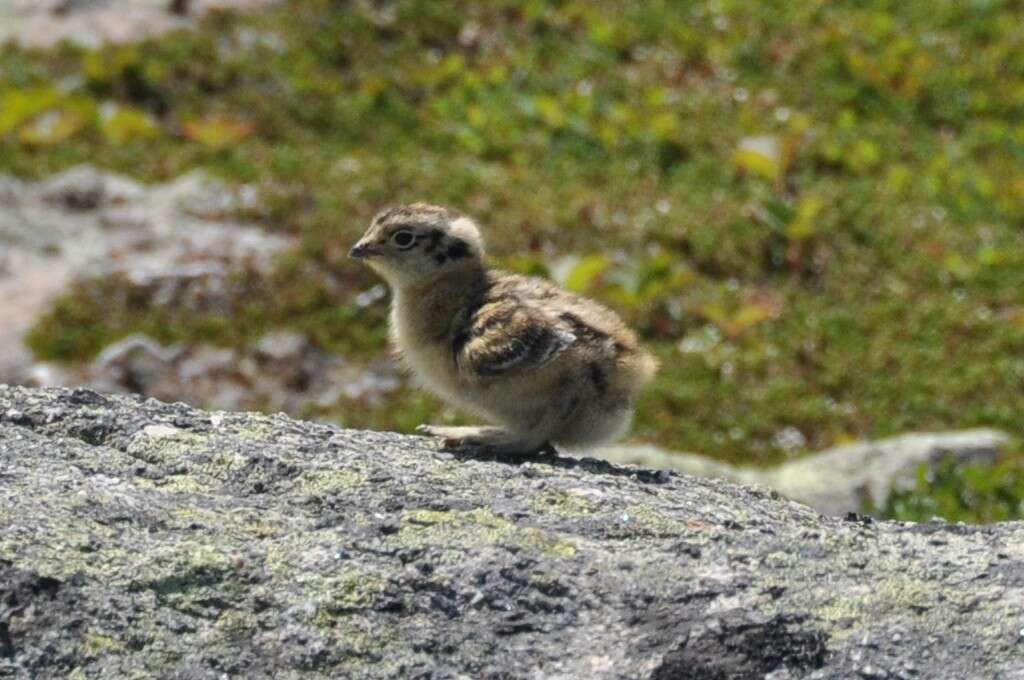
(403, 239)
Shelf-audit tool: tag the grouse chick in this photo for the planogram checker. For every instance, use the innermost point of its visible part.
(545, 366)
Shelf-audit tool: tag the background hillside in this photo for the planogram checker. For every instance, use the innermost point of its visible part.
(812, 211)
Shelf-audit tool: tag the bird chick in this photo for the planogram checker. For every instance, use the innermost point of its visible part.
(543, 365)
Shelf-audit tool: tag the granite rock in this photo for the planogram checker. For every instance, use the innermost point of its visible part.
(144, 539)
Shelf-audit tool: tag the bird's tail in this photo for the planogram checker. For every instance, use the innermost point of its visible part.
(640, 368)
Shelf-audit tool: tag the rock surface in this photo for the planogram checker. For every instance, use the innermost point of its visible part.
(178, 240)
(838, 480)
(141, 539)
(283, 371)
(92, 23)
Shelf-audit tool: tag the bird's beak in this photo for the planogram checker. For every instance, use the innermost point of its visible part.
(363, 250)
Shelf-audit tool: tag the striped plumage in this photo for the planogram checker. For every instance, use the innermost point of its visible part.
(544, 365)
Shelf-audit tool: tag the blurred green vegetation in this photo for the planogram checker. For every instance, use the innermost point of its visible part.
(812, 211)
(961, 493)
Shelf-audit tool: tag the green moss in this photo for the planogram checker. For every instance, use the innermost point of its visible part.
(896, 592)
(348, 592)
(329, 481)
(200, 556)
(654, 522)
(236, 624)
(427, 517)
(562, 503)
(253, 430)
(97, 644)
(476, 527)
(184, 515)
(262, 528)
(280, 557)
(168, 449)
(175, 484)
(544, 543)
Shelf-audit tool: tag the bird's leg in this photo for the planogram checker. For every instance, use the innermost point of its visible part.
(494, 439)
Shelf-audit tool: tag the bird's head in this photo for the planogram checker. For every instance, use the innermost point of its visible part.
(415, 243)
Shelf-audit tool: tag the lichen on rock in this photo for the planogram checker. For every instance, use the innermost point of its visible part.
(139, 538)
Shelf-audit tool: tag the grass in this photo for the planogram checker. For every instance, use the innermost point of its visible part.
(812, 211)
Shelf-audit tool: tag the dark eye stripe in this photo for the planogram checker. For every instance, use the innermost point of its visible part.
(435, 236)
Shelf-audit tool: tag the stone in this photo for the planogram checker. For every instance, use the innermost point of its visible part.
(247, 545)
(283, 371)
(166, 239)
(839, 480)
(93, 23)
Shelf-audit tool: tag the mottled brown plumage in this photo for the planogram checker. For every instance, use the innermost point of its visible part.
(542, 364)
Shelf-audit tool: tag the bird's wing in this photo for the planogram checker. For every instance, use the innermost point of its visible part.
(502, 338)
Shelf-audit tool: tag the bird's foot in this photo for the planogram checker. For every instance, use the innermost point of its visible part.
(490, 439)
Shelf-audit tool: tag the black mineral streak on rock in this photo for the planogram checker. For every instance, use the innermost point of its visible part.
(738, 645)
